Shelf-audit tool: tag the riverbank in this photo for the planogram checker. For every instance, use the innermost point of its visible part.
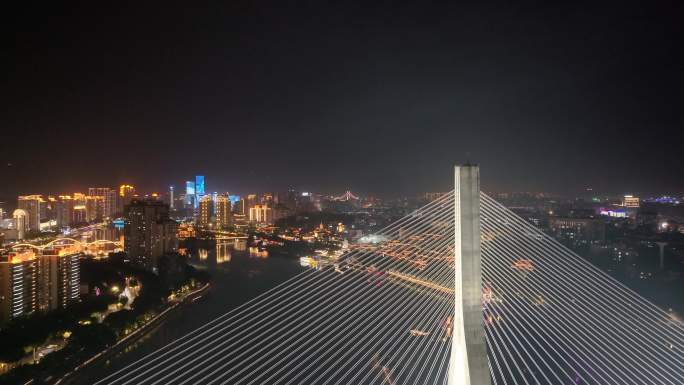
(236, 277)
(72, 376)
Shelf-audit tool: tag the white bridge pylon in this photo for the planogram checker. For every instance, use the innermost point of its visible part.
(468, 364)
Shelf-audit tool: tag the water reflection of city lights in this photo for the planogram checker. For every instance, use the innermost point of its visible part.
(203, 254)
(256, 253)
(222, 253)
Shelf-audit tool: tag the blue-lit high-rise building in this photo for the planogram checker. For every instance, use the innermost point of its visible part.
(199, 185)
(190, 193)
(199, 188)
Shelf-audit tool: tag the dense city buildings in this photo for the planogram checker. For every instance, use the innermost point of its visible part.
(632, 238)
(42, 281)
(588, 228)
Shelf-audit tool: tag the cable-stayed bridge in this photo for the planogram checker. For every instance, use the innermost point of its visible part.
(399, 311)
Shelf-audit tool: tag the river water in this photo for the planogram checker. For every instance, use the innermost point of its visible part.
(237, 277)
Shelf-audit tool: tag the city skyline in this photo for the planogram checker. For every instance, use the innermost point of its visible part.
(461, 193)
(179, 190)
(271, 96)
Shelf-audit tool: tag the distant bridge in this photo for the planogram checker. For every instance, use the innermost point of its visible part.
(61, 241)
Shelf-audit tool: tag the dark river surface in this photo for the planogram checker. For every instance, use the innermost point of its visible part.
(237, 277)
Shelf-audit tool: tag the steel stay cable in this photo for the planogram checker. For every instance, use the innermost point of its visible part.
(446, 245)
(431, 206)
(444, 242)
(527, 321)
(516, 245)
(590, 271)
(412, 219)
(424, 315)
(410, 233)
(595, 297)
(559, 332)
(588, 341)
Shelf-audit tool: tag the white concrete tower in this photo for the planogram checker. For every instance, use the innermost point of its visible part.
(468, 363)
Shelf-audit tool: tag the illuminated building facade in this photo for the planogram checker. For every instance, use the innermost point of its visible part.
(79, 214)
(223, 212)
(126, 194)
(149, 233)
(251, 201)
(94, 208)
(591, 229)
(32, 282)
(199, 186)
(240, 207)
(32, 205)
(18, 285)
(206, 211)
(190, 194)
(64, 210)
(631, 201)
(109, 200)
(59, 278)
(261, 214)
(20, 222)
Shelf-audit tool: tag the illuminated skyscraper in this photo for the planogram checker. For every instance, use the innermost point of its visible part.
(80, 214)
(94, 208)
(199, 185)
(241, 207)
(126, 194)
(31, 281)
(199, 189)
(32, 205)
(64, 211)
(18, 285)
(59, 278)
(190, 194)
(206, 211)
(20, 217)
(108, 200)
(251, 202)
(260, 214)
(222, 210)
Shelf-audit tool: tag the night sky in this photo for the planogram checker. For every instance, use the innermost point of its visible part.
(379, 97)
